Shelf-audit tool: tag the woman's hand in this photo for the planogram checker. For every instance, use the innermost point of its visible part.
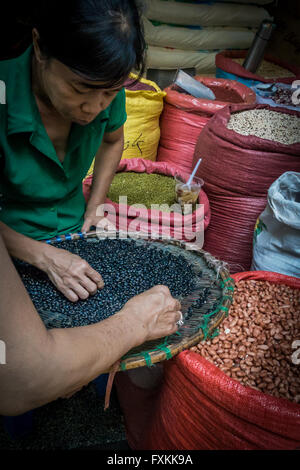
(99, 221)
(91, 218)
(72, 275)
(153, 314)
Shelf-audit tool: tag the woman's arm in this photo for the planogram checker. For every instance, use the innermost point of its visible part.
(106, 163)
(43, 365)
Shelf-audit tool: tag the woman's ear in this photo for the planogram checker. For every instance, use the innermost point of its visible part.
(36, 47)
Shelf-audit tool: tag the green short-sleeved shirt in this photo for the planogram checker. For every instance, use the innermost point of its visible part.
(40, 196)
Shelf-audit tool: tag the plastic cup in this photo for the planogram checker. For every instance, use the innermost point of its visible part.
(187, 196)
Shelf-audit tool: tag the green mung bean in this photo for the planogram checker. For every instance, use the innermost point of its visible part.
(143, 188)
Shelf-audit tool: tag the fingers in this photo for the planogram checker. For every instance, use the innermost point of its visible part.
(87, 225)
(74, 277)
(170, 303)
(69, 294)
(95, 276)
(79, 290)
(90, 286)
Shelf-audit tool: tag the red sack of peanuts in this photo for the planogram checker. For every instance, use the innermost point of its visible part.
(200, 407)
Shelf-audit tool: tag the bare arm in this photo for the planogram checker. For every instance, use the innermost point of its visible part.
(24, 248)
(106, 163)
(43, 365)
(73, 276)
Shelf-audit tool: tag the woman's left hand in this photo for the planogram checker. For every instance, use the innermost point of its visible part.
(92, 219)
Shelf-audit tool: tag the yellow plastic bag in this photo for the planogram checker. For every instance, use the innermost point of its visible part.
(141, 130)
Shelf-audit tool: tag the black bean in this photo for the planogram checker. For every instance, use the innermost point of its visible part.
(127, 269)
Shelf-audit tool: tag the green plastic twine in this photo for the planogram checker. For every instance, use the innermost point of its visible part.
(147, 358)
(215, 333)
(165, 348)
(205, 328)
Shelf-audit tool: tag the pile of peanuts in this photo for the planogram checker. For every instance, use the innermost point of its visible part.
(257, 343)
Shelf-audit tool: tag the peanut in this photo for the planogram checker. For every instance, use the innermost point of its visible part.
(263, 322)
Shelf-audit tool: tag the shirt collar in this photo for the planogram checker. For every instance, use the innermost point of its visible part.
(21, 107)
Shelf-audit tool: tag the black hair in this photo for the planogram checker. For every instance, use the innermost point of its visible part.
(100, 40)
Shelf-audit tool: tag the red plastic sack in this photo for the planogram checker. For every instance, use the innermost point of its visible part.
(201, 408)
(184, 117)
(238, 171)
(163, 223)
(224, 62)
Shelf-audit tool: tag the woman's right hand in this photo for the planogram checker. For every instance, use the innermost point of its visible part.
(153, 314)
(72, 275)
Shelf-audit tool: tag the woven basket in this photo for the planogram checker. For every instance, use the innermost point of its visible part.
(199, 323)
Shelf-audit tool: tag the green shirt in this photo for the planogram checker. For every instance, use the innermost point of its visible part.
(39, 196)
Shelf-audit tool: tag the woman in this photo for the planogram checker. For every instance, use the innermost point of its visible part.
(65, 103)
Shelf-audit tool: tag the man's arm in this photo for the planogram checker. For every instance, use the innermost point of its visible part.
(43, 365)
(106, 163)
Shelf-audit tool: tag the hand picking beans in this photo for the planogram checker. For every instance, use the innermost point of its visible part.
(255, 341)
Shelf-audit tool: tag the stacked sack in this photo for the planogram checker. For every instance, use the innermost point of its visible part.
(187, 35)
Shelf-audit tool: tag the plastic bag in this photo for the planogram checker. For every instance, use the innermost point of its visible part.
(276, 243)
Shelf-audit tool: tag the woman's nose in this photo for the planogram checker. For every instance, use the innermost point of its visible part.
(95, 104)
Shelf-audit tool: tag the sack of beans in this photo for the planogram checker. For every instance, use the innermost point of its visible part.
(148, 183)
(241, 389)
(276, 242)
(243, 150)
(184, 117)
(229, 65)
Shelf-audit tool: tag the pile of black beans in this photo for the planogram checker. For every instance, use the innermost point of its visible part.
(127, 269)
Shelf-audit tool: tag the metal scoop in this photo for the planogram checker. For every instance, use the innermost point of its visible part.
(193, 87)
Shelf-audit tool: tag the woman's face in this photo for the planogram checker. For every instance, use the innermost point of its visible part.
(74, 98)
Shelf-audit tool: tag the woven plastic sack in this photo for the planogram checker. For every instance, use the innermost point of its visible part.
(238, 171)
(155, 221)
(144, 104)
(276, 242)
(184, 117)
(254, 2)
(201, 408)
(165, 58)
(191, 39)
(226, 67)
(214, 14)
(141, 130)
